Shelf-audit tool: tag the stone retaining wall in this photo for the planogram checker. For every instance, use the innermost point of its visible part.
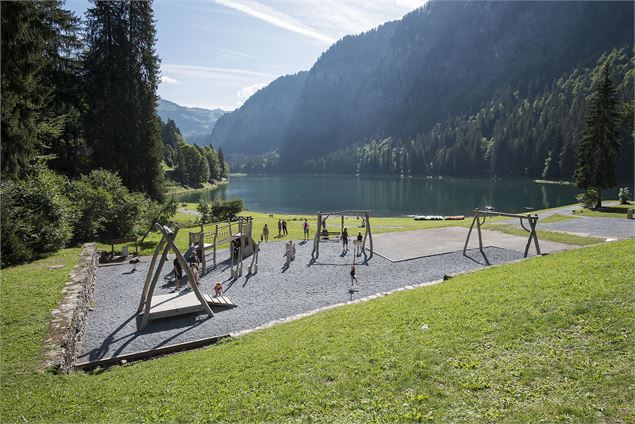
(67, 320)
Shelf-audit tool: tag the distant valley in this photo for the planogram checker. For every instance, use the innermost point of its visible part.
(196, 124)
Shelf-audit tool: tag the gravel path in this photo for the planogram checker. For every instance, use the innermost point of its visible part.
(615, 228)
(273, 293)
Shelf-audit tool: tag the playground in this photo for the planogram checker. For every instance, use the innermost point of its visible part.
(137, 309)
(112, 328)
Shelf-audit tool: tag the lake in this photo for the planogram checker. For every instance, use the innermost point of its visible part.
(387, 196)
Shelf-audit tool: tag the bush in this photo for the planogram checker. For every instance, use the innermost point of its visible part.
(37, 217)
(589, 198)
(219, 210)
(106, 208)
(223, 210)
(624, 195)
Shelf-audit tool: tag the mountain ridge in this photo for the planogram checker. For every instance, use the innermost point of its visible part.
(193, 122)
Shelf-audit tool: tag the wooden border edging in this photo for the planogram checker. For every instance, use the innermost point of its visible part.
(149, 353)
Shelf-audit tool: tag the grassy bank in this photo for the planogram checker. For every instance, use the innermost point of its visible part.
(178, 189)
(546, 339)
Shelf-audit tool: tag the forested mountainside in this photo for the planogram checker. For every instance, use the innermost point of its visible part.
(194, 122)
(438, 66)
(261, 123)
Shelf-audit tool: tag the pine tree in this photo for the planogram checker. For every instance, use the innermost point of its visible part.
(223, 165)
(24, 95)
(597, 152)
(122, 69)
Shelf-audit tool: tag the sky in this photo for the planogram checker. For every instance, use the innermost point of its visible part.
(217, 53)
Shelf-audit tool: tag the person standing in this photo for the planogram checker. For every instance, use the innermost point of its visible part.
(284, 227)
(178, 274)
(360, 238)
(353, 276)
(265, 232)
(305, 227)
(345, 239)
(195, 273)
(279, 228)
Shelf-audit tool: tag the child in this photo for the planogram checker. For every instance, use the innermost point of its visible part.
(360, 238)
(265, 232)
(305, 226)
(178, 274)
(218, 289)
(353, 276)
(195, 273)
(345, 239)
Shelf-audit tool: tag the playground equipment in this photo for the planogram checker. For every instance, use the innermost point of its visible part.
(290, 252)
(242, 245)
(321, 230)
(173, 304)
(531, 219)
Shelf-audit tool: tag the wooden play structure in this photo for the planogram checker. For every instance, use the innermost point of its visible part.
(323, 234)
(532, 220)
(177, 303)
(241, 244)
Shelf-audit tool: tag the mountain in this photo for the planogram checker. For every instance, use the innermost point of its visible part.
(260, 124)
(399, 81)
(193, 122)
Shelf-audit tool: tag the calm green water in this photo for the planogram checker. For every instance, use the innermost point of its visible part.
(386, 196)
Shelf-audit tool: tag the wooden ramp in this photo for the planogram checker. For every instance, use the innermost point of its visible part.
(178, 303)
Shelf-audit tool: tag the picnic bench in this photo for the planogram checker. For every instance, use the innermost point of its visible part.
(324, 235)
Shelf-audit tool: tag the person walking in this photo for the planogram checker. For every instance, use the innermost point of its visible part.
(305, 227)
(284, 228)
(353, 276)
(345, 239)
(265, 232)
(279, 228)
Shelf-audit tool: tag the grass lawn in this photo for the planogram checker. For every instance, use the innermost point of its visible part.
(378, 225)
(556, 218)
(618, 211)
(547, 339)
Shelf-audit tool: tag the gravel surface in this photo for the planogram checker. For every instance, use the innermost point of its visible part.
(273, 293)
(616, 228)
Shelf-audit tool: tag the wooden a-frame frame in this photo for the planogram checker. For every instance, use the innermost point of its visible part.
(532, 219)
(166, 243)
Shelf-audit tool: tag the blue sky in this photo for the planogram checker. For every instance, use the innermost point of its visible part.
(216, 53)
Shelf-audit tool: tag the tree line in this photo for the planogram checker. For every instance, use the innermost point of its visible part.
(191, 165)
(534, 134)
(82, 155)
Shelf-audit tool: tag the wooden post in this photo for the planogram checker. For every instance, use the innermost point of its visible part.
(533, 222)
(146, 285)
(368, 234)
(201, 248)
(316, 241)
(480, 237)
(467, 240)
(215, 238)
(342, 228)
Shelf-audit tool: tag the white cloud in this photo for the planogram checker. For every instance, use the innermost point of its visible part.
(246, 92)
(275, 17)
(167, 80)
(193, 70)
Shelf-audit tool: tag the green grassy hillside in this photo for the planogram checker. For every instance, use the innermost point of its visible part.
(550, 338)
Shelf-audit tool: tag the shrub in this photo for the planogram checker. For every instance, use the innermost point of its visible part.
(223, 210)
(37, 217)
(624, 195)
(106, 208)
(589, 198)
